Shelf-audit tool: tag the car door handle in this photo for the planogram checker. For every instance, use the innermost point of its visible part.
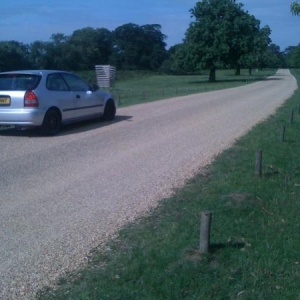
(77, 96)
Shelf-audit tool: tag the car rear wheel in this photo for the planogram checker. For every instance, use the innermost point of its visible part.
(52, 123)
(109, 111)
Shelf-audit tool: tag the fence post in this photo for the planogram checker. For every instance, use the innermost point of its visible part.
(292, 117)
(282, 134)
(205, 231)
(258, 163)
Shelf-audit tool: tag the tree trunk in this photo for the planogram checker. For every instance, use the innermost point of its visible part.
(238, 70)
(212, 74)
(250, 71)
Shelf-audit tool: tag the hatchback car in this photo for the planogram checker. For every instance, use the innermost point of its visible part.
(49, 99)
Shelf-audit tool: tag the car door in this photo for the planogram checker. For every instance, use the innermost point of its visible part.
(87, 102)
(61, 96)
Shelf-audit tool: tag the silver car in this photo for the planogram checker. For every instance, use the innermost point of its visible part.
(49, 99)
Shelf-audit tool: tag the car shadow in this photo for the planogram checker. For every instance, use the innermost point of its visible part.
(68, 129)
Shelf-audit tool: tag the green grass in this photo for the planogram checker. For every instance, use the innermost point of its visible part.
(133, 87)
(254, 238)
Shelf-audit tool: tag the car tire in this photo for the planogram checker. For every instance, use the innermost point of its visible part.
(52, 123)
(109, 110)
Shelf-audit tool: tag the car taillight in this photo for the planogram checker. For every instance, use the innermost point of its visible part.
(30, 99)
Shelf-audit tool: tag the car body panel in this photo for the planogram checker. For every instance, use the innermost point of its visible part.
(22, 117)
(88, 103)
(64, 91)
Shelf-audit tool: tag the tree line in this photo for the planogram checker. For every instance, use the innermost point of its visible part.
(129, 46)
(222, 35)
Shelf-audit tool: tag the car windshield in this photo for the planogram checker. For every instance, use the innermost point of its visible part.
(18, 82)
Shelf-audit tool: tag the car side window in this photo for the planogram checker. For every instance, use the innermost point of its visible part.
(56, 83)
(75, 83)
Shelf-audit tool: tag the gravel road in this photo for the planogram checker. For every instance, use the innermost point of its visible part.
(60, 196)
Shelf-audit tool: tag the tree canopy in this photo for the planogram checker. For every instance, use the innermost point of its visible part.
(129, 46)
(13, 55)
(292, 54)
(138, 47)
(222, 35)
(295, 8)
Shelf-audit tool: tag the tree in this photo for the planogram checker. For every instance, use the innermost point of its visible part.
(273, 57)
(81, 51)
(220, 36)
(256, 57)
(183, 59)
(138, 47)
(89, 47)
(56, 52)
(128, 47)
(154, 46)
(38, 55)
(13, 56)
(295, 8)
(248, 41)
(293, 56)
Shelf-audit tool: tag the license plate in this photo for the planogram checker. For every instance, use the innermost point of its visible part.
(4, 100)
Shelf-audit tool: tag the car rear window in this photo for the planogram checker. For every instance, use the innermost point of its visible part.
(18, 82)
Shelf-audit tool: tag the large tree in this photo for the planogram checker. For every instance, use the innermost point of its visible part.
(221, 35)
(90, 47)
(38, 55)
(259, 50)
(138, 47)
(295, 8)
(56, 52)
(13, 56)
(249, 41)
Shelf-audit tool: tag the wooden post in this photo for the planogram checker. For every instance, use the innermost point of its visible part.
(282, 133)
(205, 231)
(258, 163)
(292, 117)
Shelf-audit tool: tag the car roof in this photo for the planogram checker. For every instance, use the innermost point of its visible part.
(34, 72)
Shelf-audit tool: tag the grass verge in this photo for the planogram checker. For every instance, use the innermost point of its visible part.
(133, 87)
(255, 231)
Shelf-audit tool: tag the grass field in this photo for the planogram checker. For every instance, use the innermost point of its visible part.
(133, 87)
(255, 231)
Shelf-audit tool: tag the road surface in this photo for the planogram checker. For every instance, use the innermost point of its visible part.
(61, 196)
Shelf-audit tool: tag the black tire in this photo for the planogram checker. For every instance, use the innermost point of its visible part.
(52, 123)
(109, 110)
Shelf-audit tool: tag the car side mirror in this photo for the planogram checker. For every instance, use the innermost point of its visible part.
(94, 87)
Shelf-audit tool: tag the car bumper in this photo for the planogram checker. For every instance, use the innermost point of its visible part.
(22, 117)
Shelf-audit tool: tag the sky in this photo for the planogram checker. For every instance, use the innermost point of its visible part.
(27, 21)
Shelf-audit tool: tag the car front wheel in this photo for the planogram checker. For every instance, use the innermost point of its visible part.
(109, 111)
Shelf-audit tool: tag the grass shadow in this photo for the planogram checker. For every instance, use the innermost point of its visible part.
(241, 80)
(231, 244)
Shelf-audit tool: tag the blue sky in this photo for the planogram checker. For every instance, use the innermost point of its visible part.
(27, 21)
